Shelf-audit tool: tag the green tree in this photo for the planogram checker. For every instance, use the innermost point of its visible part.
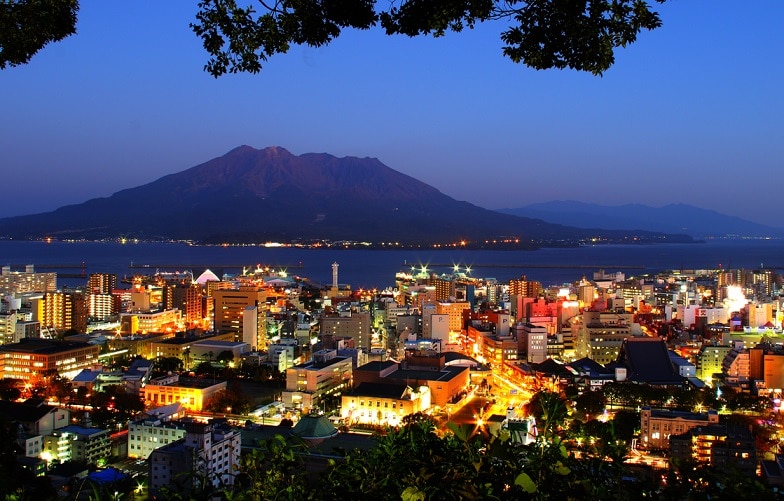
(590, 403)
(553, 34)
(225, 357)
(240, 36)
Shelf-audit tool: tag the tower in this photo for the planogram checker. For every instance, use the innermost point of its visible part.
(335, 275)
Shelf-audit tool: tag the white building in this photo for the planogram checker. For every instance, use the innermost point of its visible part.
(210, 452)
(146, 435)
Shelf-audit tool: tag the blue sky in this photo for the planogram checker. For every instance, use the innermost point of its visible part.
(691, 113)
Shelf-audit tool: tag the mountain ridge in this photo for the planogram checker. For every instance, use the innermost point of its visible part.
(249, 195)
(670, 218)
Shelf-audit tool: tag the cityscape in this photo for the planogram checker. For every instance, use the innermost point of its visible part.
(170, 384)
(412, 250)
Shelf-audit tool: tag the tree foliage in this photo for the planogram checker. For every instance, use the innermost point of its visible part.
(241, 35)
(26, 26)
(580, 35)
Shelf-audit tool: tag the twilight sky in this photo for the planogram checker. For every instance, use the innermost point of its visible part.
(692, 113)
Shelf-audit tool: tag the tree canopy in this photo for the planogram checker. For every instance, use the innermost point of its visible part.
(241, 35)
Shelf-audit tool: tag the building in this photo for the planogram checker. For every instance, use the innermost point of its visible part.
(455, 312)
(8, 321)
(151, 321)
(187, 299)
(193, 393)
(254, 327)
(600, 335)
(446, 382)
(19, 282)
(230, 305)
(309, 383)
(722, 447)
(356, 325)
(65, 311)
(647, 361)
(102, 306)
(210, 452)
(77, 443)
(532, 341)
(383, 404)
(524, 287)
(210, 349)
(709, 361)
(34, 416)
(146, 435)
(656, 426)
(102, 283)
(31, 357)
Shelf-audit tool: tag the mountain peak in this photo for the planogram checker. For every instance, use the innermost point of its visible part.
(251, 195)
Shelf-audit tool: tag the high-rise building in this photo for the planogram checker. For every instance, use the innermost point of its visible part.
(445, 288)
(230, 305)
(102, 283)
(355, 325)
(102, 305)
(208, 452)
(186, 298)
(17, 282)
(7, 327)
(65, 311)
(524, 287)
(254, 327)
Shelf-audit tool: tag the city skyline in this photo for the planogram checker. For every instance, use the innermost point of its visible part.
(125, 101)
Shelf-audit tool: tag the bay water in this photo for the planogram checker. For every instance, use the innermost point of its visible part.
(376, 268)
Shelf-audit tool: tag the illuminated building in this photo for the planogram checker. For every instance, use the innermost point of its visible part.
(207, 452)
(307, 384)
(192, 393)
(418, 369)
(709, 361)
(159, 321)
(254, 327)
(524, 287)
(7, 327)
(17, 282)
(600, 335)
(388, 404)
(186, 298)
(722, 447)
(355, 324)
(76, 443)
(65, 311)
(230, 305)
(102, 283)
(102, 306)
(444, 288)
(455, 312)
(29, 358)
(146, 435)
(532, 341)
(656, 426)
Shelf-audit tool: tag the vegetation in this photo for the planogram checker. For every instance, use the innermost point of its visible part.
(569, 459)
(238, 38)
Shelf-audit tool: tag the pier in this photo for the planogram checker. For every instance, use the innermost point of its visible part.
(41, 268)
(528, 265)
(134, 266)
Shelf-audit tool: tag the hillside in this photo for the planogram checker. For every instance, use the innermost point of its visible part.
(250, 195)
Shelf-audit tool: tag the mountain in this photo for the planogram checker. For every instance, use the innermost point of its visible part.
(250, 195)
(673, 218)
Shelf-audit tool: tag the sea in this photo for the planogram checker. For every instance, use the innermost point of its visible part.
(368, 269)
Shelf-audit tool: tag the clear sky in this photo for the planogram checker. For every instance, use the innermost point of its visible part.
(692, 113)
